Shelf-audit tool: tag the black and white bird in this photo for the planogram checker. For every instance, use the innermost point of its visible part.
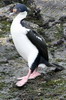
(30, 45)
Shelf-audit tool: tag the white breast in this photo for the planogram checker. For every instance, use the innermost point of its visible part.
(22, 43)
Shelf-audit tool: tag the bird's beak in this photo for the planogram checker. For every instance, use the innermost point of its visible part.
(13, 12)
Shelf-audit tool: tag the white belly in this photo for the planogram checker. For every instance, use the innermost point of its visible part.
(22, 43)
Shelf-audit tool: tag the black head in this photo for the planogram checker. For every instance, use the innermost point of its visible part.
(20, 8)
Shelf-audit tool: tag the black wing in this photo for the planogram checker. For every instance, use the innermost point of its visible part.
(36, 39)
(39, 42)
(25, 24)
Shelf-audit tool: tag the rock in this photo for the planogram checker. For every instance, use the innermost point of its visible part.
(63, 19)
(50, 9)
(5, 11)
(31, 25)
(10, 52)
(9, 39)
(7, 50)
(2, 17)
(64, 30)
(3, 60)
(35, 13)
(59, 42)
(7, 2)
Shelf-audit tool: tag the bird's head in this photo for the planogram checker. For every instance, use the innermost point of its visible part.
(19, 8)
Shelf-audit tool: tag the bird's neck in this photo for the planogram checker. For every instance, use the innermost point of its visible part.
(20, 16)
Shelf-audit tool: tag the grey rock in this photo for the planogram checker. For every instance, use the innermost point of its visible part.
(5, 11)
(51, 9)
(3, 60)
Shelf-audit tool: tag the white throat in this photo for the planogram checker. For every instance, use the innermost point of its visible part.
(16, 27)
(21, 16)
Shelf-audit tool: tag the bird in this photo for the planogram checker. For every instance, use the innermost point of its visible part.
(29, 44)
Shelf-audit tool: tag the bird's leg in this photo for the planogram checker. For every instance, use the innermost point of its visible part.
(24, 80)
(32, 75)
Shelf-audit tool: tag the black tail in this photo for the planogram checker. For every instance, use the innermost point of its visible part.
(57, 67)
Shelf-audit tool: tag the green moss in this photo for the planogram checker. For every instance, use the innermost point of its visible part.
(2, 77)
(59, 60)
(59, 31)
(5, 27)
(54, 88)
(57, 82)
(12, 90)
(25, 1)
(6, 97)
(2, 85)
(2, 96)
(65, 96)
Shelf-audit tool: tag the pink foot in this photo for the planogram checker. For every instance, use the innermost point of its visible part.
(20, 78)
(32, 76)
(22, 82)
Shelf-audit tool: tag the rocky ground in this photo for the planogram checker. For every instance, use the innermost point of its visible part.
(50, 22)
